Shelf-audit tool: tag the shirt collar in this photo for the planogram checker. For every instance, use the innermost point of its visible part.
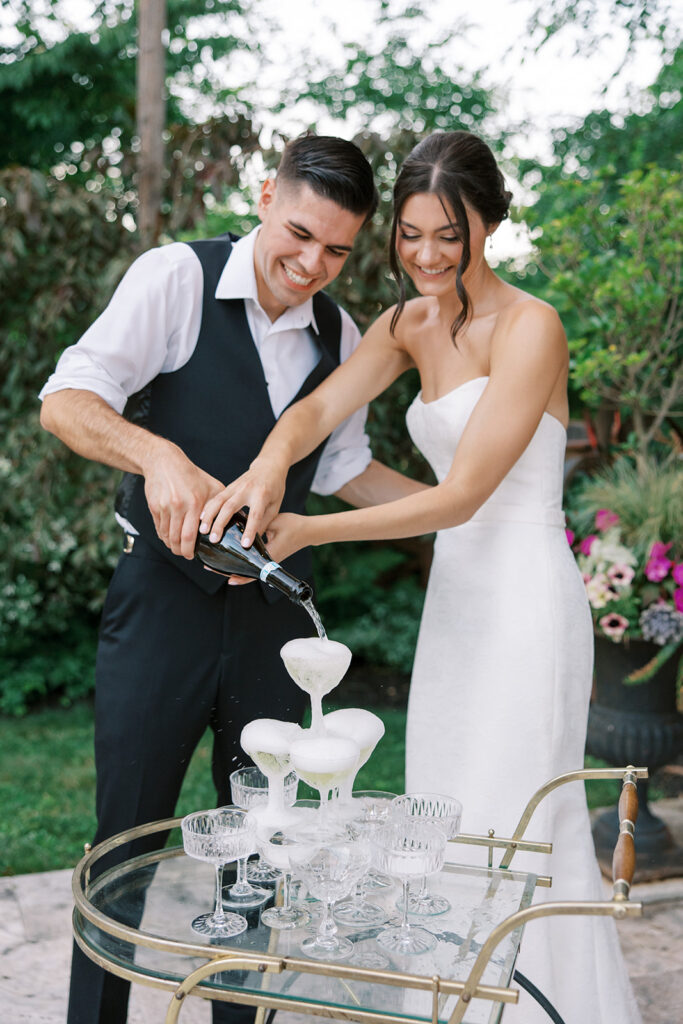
(238, 281)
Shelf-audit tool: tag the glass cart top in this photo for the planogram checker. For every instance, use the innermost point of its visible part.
(162, 898)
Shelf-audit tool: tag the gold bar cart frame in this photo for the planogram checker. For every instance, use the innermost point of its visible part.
(219, 961)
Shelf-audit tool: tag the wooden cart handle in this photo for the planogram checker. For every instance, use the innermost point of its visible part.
(624, 859)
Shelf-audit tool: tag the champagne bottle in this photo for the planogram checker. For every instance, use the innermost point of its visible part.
(228, 557)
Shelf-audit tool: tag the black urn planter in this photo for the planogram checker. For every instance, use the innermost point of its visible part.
(638, 725)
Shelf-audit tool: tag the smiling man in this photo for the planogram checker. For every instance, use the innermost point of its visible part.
(204, 344)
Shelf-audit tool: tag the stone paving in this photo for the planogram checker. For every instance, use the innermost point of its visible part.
(35, 950)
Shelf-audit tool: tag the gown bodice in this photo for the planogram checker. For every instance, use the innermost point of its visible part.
(531, 491)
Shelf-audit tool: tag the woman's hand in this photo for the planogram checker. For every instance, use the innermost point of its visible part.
(261, 489)
(286, 534)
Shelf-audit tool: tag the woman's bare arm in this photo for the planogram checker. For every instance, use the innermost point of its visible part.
(376, 363)
(528, 359)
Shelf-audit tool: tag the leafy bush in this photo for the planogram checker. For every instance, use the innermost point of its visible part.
(57, 536)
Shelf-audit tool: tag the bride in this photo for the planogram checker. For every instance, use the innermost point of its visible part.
(502, 675)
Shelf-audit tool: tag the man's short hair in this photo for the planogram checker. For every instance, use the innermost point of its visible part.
(333, 168)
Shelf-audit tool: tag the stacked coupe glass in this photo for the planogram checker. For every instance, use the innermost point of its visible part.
(340, 849)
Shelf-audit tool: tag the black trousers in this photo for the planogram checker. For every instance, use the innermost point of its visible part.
(171, 661)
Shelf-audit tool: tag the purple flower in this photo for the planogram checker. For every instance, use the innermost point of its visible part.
(677, 573)
(678, 599)
(570, 537)
(604, 518)
(613, 626)
(587, 543)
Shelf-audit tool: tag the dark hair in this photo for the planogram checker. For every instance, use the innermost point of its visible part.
(334, 168)
(457, 167)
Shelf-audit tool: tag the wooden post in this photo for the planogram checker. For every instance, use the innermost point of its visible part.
(151, 109)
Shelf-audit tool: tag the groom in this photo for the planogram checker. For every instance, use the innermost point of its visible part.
(205, 344)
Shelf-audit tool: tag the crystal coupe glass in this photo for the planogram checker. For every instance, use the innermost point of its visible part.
(368, 810)
(407, 849)
(249, 789)
(330, 866)
(445, 812)
(219, 837)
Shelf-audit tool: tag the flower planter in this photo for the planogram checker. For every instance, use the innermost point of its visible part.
(639, 725)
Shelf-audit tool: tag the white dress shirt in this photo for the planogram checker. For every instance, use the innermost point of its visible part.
(151, 326)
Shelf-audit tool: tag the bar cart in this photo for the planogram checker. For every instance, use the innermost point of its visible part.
(134, 921)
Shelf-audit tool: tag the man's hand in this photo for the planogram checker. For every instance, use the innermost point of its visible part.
(261, 488)
(176, 492)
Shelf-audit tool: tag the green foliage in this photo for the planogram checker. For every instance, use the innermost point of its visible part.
(82, 89)
(614, 267)
(648, 500)
(57, 540)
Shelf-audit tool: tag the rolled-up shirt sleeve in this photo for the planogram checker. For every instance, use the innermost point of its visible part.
(149, 327)
(347, 451)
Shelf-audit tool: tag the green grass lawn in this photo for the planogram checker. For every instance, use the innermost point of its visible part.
(47, 783)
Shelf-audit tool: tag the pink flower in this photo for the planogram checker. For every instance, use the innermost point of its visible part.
(620, 575)
(613, 626)
(659, 549)
(677, 573)
(570, 538)
(604, 518)
(657, 568)
(587, 543)
(678, 599)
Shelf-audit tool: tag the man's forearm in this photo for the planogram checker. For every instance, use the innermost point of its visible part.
(378, 484)
(90, 427)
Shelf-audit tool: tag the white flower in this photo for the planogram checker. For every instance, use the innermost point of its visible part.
(598, 590)
(608, 551)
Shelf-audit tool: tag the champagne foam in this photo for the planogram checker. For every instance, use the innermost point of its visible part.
(269, 736)
(324, 754)
(358, 724)
(316, 665)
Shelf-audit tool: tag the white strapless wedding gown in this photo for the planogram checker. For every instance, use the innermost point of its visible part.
(499, 702)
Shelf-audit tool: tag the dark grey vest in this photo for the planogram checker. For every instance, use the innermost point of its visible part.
(216, 407)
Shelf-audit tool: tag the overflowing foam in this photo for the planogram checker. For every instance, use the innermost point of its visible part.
(357, 724)
(324, 754)
(316, 665)
(269, 736)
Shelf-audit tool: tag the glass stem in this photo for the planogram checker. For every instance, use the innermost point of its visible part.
(276, 793)
(286, 890)
(404, 922)
(358, 895)
(219, 913)
(423, 888)
(317, 727)
(328, 928)
(241, 887)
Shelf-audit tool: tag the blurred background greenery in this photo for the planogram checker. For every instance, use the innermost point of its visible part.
(602, 205)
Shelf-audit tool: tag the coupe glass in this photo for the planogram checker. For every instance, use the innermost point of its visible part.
(276, 850)
(363, 728)
(330, 866)
(316, 665)
(368, 810)
(445, 813)
(267, 741)
(219, 837)
(324, 762)
(375, 810)
(407, 849)
(249, 789)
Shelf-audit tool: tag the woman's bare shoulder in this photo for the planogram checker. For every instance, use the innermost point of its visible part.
(521, 305)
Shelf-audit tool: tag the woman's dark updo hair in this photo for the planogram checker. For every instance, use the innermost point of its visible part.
(459, 168)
